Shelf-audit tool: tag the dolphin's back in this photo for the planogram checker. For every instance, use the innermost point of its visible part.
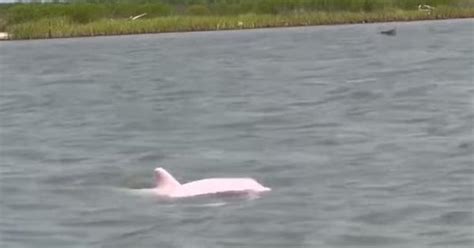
(218, 185)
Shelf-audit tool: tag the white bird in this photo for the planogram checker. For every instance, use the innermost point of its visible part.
(425, 7)
(4, 36)
(133, 18)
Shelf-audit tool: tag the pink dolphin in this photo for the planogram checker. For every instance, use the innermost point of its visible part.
(168, 186)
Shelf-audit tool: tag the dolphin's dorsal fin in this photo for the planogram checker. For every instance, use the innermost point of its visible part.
(164, 180)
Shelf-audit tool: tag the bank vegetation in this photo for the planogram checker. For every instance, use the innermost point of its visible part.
(118, 17)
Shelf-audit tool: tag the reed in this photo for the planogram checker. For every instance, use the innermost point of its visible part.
(61, 27)
(84, 11)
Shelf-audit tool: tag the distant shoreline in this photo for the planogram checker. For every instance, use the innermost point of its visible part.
(62, 28)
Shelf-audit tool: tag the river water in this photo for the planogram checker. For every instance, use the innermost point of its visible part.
(365, 139)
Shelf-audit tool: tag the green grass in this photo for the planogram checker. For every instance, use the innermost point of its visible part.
(84, 11)
(110, 17)
(62, 27)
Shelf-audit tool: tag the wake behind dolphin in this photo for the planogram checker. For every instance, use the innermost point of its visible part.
(168, 186)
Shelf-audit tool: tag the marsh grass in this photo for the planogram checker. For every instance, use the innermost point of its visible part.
(84, 11)
(62, 27)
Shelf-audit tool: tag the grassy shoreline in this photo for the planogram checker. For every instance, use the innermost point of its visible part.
(61, 27)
